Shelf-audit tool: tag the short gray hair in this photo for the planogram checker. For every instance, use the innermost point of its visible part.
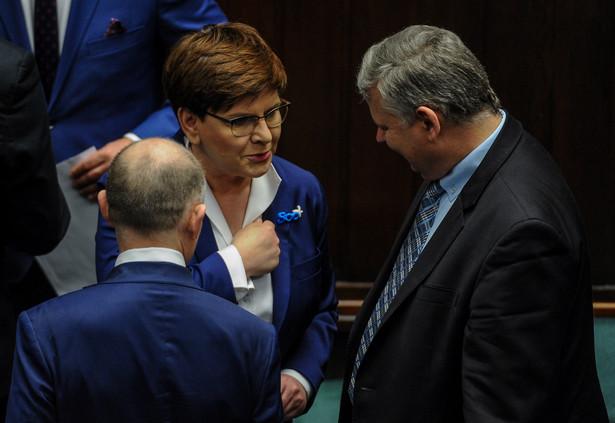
(427, 66)
(151, 184)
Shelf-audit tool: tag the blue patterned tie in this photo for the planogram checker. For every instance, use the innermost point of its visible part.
(408, 254)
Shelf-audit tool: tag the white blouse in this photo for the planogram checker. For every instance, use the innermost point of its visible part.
(253, 294)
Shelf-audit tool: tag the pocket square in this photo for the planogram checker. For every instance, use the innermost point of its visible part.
(116, 27)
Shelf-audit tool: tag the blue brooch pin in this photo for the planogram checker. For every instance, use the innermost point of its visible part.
(288, 217)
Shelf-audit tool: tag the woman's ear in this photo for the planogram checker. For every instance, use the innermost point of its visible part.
(188, 123)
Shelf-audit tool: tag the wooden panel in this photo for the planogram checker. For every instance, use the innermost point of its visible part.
(351, 296)
(319, 85)
(604, 309)
(583, 106)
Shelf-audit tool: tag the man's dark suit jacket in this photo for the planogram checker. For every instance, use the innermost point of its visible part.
(146, 345)
(34, 214)
(494, 323)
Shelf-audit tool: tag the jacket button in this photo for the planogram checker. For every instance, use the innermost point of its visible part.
(52, 123)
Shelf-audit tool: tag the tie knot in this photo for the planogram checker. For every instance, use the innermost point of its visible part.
(435, 190)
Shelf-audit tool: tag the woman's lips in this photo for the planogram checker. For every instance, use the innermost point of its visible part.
(260, 157)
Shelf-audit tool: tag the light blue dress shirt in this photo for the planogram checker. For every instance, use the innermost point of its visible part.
(456, 179)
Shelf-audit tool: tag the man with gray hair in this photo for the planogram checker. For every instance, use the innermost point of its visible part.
(146, 344)
(482, 312)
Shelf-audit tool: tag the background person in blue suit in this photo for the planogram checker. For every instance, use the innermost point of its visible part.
(107, 87)
(146, 344)
(108, 76)
(224, 84)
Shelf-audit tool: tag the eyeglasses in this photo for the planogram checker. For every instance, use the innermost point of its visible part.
(245, 125)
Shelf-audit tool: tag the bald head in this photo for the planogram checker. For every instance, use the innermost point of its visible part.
(151, 185)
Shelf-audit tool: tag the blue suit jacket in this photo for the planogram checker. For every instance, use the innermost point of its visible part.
(145, 345)
(107, 86)
(304, 302)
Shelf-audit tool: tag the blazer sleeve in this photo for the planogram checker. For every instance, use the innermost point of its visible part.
(176, 18)
(518, 315)
(31, 398)
(213, 276)
(35, 215)
(268, 403)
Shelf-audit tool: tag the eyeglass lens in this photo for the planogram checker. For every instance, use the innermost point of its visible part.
(245, 125)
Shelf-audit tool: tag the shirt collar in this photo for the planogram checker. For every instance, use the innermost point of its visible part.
(262, 193)
(151, 254)
(459, 175)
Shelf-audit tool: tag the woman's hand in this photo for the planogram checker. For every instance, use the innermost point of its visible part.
(294, 397)
(259, 247)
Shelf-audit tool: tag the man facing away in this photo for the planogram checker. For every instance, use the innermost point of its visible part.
(482, 311)
(146, 344)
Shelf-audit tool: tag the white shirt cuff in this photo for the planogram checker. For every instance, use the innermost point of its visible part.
(234, 264)
(132, 136)
(301, 379)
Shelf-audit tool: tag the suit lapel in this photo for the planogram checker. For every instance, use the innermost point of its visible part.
(501, 149)
(441, 240)
(448, 230)
(281, 291)
(206, 245)
(15, 24)
(81, 13)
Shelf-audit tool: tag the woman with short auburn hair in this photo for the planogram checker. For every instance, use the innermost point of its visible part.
(264, 242)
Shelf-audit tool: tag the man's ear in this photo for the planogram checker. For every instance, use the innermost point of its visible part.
(104, 205)
(430, 120)
(195, 220)
(188, 123)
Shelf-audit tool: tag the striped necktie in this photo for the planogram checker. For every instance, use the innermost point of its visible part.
(408, 254)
